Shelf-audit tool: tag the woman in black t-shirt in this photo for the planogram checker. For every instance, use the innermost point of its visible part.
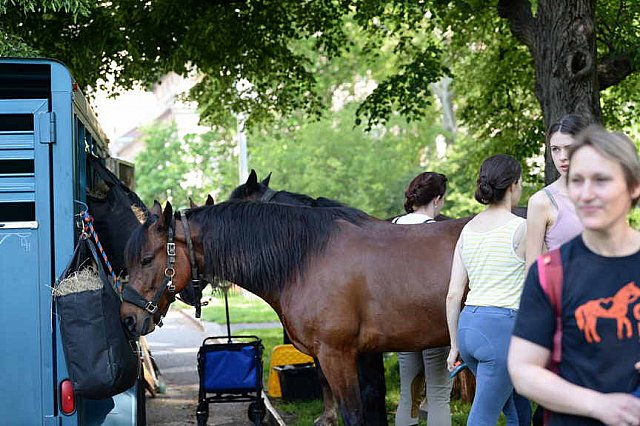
(599, 367)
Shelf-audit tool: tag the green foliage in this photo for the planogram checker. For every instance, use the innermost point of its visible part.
(287, 49)
(331, 158)
(174, 169)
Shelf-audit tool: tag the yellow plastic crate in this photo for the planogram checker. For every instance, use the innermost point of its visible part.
(283, 355)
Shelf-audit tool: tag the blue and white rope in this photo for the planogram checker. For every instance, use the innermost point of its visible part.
(87, 220)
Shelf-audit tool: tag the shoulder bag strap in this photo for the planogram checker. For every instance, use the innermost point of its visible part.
(550, 274)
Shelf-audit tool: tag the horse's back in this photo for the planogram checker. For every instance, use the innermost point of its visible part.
(389, 281)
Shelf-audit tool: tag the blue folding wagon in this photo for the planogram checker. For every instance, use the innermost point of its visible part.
(230, 370)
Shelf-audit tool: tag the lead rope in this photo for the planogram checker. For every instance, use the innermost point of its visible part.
(87, 227)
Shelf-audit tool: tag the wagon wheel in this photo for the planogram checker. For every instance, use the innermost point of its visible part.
(257, 411)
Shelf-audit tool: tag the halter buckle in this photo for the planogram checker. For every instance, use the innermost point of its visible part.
(170, 287)
(171, 249)
(151, 308)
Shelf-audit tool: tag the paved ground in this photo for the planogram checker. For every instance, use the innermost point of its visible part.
(174, 347)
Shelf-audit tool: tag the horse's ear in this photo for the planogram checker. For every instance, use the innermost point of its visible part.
(265, 181)
(192, 204)
(252, 180)
(209, 201)
(167, 215)
(156, 209)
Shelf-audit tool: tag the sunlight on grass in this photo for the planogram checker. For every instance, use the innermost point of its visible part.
(253, 310)
(242, 309)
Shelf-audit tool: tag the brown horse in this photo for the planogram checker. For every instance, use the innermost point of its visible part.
(341, 282)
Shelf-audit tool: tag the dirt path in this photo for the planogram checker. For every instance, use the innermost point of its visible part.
(174, 347)
(177, 407)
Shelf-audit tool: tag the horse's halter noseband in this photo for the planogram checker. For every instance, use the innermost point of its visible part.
(132, 296)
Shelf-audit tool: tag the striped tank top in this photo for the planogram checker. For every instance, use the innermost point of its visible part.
(496, 273)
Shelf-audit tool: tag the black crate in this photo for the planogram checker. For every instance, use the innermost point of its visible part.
(299, 381)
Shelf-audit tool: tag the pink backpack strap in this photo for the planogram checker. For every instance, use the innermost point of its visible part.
(550, 274)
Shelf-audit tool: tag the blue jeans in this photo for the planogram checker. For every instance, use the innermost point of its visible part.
(483, 336)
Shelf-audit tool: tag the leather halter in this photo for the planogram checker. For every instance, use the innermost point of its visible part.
(131, 295)
(196, 278)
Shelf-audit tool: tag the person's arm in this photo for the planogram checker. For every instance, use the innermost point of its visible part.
(538, 217)
(526, 364)
(457, 285)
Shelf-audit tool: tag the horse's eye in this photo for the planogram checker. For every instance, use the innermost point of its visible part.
(146, 260)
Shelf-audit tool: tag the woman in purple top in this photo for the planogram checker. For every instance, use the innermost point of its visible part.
(551, 217)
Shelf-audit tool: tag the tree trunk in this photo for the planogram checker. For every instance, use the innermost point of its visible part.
(566, 65)
(562, 41)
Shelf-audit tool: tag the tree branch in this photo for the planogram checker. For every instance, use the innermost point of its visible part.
(614, 68)
(521, 20)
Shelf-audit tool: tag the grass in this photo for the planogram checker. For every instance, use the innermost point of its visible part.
(253, 310)
(242, 309)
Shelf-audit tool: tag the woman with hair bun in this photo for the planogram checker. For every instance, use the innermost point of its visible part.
(489, 257)
(424, 199)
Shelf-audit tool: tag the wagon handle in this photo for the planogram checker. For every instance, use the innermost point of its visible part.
(226, 312)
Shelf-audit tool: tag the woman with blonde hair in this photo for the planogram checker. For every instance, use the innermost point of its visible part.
(597, 309)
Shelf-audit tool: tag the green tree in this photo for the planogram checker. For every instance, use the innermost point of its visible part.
(334, 159)
(532, 61)
(176, 169)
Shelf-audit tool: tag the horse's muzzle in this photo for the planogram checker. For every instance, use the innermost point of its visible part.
(131, 325)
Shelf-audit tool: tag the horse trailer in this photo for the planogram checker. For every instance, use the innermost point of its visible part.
(47, 132)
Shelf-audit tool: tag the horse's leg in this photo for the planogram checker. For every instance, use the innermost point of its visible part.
(330, 415)
(372, 388)
(341, 372)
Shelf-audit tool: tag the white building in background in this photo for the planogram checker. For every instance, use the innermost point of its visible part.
(123, 117)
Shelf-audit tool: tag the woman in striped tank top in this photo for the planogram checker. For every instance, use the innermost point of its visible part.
(489, 257)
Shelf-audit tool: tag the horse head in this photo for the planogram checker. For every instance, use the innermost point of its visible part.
(208, 202)
(157, 259)
(251, 189)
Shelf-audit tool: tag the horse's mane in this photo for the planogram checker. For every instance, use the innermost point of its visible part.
(261, 245)
(286, 197)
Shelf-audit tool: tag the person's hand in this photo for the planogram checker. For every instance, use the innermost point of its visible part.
(637, 366)
(452, 358)
(617, 409)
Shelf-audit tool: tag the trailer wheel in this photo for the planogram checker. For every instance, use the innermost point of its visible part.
(257, 411)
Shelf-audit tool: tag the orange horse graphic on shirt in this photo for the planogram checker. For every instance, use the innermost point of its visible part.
(636, 314)
(609, 307)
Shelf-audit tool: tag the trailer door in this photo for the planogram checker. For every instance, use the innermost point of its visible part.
(26, 354)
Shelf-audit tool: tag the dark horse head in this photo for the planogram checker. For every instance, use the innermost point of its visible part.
(252, 190)
(116, 214)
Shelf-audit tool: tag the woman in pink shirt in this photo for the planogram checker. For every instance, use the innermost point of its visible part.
(551, 217)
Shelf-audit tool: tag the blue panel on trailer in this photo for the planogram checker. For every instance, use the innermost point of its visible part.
(25, 265)
(42, 172)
